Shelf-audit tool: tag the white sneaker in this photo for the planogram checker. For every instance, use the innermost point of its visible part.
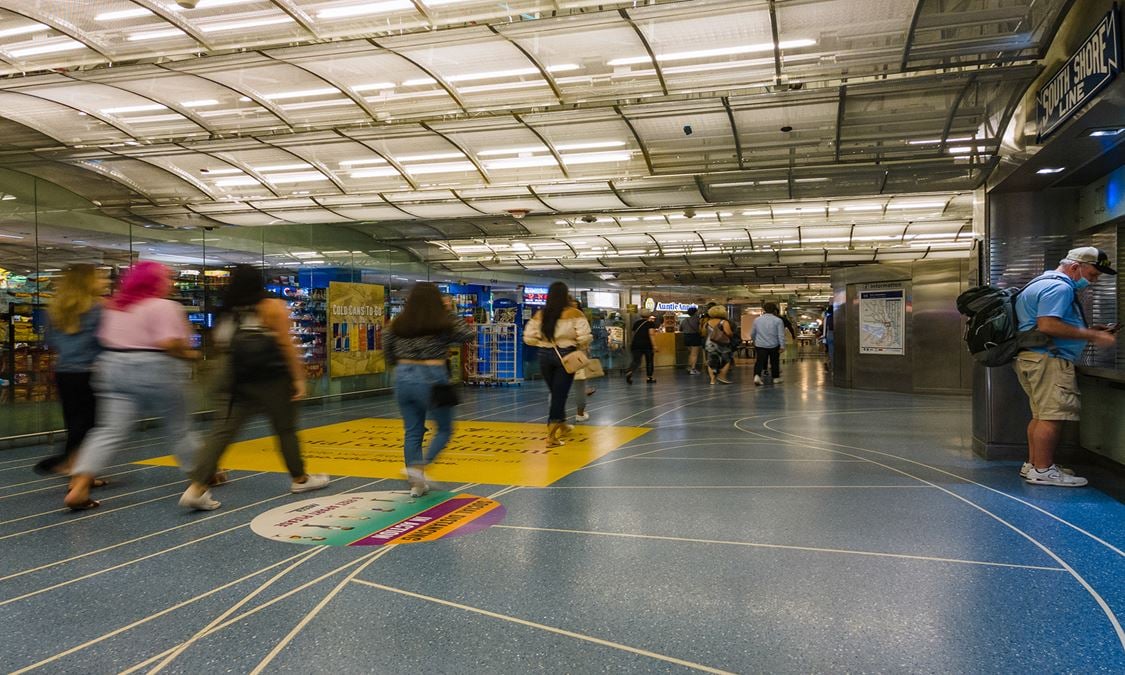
(757, 379)
(582, 418)
(313, 482)
(1053, 476)
(419, 490)
(777, 380)
(1028, 465)
(201, 503)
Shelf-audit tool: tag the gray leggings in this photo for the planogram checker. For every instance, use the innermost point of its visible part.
(579, 390)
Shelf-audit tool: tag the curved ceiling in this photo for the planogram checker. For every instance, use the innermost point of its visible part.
(430, 121)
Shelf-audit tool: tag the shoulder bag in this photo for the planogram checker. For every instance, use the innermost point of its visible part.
(574, 361)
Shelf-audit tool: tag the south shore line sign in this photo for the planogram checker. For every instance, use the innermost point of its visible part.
(1093, 66)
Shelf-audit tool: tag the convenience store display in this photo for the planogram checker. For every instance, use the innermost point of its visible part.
(308, 325)
(28, 363)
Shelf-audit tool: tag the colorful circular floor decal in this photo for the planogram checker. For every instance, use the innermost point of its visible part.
(378, 518)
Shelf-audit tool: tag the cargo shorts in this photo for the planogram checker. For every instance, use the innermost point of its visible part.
(1051, 386)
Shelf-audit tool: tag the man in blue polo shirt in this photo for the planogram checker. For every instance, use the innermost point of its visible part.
(1049, 304)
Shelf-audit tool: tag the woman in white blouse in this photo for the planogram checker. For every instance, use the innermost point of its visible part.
(557, 330)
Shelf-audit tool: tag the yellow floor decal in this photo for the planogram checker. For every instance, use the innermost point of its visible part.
(496, 453)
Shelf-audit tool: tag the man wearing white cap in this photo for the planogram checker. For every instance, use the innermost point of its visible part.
(1049, 304)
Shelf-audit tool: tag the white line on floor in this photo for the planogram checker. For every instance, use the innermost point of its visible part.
(1026, 503)
(234, 608)
(755, 459)
(811, 549)
(731, 487)
(308, 617)
(157, 615)
(224, 512)
(59, 484)
(1114, 623)
(25, 459)
(247, 614)
(549, 629)
(105, 512)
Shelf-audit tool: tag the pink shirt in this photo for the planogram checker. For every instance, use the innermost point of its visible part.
(143, 325)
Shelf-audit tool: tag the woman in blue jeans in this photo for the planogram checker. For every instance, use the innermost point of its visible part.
(417, 344)
(557, 330)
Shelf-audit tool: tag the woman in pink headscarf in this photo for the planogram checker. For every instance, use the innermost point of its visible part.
(144, 367)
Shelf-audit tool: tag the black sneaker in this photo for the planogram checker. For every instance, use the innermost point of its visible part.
(629, 377)
(650, 380)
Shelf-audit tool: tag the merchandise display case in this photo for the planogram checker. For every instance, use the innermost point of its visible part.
(28, 363)
(308, 324)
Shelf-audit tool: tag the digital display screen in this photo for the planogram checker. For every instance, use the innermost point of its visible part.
(203, 319)
(534, 296)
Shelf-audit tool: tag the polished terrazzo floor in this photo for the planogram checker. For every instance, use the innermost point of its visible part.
(793, 528)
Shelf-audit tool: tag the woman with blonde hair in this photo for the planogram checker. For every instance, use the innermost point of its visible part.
(73, 316)
(717, 334)
(146, 342)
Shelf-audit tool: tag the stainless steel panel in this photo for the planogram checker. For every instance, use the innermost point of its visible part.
(937, 327)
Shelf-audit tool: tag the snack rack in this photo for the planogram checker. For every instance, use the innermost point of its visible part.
(494, 356)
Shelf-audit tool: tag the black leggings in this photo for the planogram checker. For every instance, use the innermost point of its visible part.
(558, 382)
(78, 402)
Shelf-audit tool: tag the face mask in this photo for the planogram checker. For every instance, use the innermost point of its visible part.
(1081, 283)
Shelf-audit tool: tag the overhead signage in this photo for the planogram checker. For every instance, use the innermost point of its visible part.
(534, 296)
(673, 306)
(377, 518)
(1093, 66)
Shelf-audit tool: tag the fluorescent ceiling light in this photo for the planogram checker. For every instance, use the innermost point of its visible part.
(707, 53)
(221, 172)
(597, 157)
(303, 93)
(121, 14)
(1102, 133)
(283, 167)
(236, 182)
(211, 28)
(11, 236)
(373, 86)
(365, 8)
(1047, 170)
(61, 46)
(305, 105)
(356, 162)
(24, 29)
(864, 207)
(430, 157)
(916, 205)
(448, 167)
(201, 103)
(384, 172)
(520, 162)
(935, 141)
(148, 107)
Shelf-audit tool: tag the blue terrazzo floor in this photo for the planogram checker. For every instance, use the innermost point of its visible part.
(792, 528)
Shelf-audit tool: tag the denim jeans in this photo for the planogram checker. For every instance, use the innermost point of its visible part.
(413, 384)
(558, 382)
(127, 385)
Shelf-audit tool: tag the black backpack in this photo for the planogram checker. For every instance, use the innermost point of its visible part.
(253, 353)
(992, 332)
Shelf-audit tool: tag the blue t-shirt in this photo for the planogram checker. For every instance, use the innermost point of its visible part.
(1052, 294)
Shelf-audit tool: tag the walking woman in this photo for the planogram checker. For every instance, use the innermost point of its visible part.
(692, 338)
(557, 330)
(262, 373)
(717, 343)
(145, 367)
(74, 314)
(417, 344)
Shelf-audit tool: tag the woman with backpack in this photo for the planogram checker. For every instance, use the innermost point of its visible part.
(557, 330)
(144, 365)
(417, 344)
(717, 343)
(262, 373)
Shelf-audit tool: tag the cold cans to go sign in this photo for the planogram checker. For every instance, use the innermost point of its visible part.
(355, 324)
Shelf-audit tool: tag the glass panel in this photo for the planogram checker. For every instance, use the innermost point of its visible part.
(980, 31)
(685, 139)
(353, 164)
(512, 154)
(811, 124)
(151, 181)
(856, 44)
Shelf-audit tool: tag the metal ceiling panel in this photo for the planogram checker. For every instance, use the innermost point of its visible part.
(59, 121)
